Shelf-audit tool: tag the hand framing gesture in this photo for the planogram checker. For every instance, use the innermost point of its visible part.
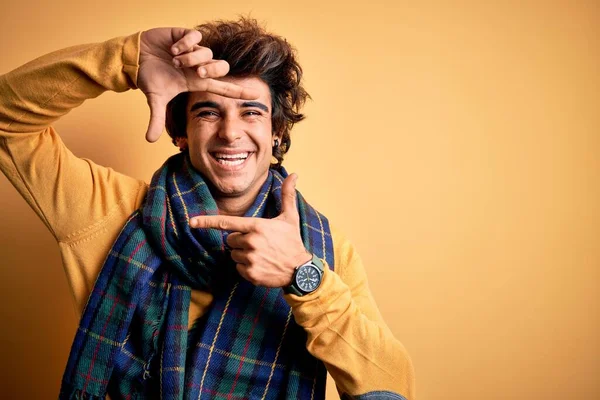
(172, 62)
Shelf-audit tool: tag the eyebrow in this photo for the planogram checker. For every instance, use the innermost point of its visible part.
(204, 104)
(256, 104)
(212, 104)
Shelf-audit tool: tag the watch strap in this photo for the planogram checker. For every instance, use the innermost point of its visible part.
(292, 289)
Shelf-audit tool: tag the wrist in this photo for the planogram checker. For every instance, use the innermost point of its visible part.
(130, 57)
(298, 261)
(302, 258)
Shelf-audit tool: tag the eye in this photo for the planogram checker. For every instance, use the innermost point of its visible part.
(208, 114)
(252, 113)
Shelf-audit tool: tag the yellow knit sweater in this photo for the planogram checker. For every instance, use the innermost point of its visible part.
(85, 205)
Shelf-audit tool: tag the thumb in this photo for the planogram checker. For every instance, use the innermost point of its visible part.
(288, 197)
(157, 119)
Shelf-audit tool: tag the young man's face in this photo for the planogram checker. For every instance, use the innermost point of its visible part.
(230, 141)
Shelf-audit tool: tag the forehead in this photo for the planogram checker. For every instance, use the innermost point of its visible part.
(250, 82)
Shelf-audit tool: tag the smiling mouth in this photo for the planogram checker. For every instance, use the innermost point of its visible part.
(233, 160)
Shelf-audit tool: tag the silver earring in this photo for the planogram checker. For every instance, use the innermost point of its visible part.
(276, 143)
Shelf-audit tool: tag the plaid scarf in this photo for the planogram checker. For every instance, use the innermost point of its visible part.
(133, 340)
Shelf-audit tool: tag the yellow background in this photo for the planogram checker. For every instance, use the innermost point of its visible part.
(456, 143)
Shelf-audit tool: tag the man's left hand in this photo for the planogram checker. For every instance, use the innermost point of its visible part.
(266, 250)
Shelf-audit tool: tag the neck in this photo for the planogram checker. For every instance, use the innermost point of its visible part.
(234, 206)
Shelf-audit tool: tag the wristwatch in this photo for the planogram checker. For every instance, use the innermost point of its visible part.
(307, 278)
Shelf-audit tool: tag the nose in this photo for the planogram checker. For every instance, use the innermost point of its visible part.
(231, 129)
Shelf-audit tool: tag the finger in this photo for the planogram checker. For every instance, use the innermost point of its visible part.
(189, 37)
(242, 269)
(213, 69)
(288, 197)
(239, 256)
(226, 89)
(225, 223)
(194, 58)
(236, 240)
(157, 119)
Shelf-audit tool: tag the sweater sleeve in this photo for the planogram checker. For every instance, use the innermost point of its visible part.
(346, 331)
(71, 195)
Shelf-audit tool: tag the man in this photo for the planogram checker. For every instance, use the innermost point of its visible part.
(217, 280)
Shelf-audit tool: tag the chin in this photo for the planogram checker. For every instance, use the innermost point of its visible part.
(231, 189)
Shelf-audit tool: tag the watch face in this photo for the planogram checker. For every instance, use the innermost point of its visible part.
(308, 278)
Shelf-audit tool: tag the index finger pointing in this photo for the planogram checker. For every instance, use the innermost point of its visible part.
(224, 222)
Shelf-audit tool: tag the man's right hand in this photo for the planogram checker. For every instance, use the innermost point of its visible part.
(172, 62)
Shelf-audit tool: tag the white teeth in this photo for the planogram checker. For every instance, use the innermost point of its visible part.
(231, 156)
(231, 159)
(227, 162)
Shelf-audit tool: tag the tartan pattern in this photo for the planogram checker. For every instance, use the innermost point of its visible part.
(133, 341)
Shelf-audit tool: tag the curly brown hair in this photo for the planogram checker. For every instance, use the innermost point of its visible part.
(251, 51)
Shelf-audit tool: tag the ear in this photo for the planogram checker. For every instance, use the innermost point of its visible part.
(278, 136)
(274, 137)
(181, 142)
